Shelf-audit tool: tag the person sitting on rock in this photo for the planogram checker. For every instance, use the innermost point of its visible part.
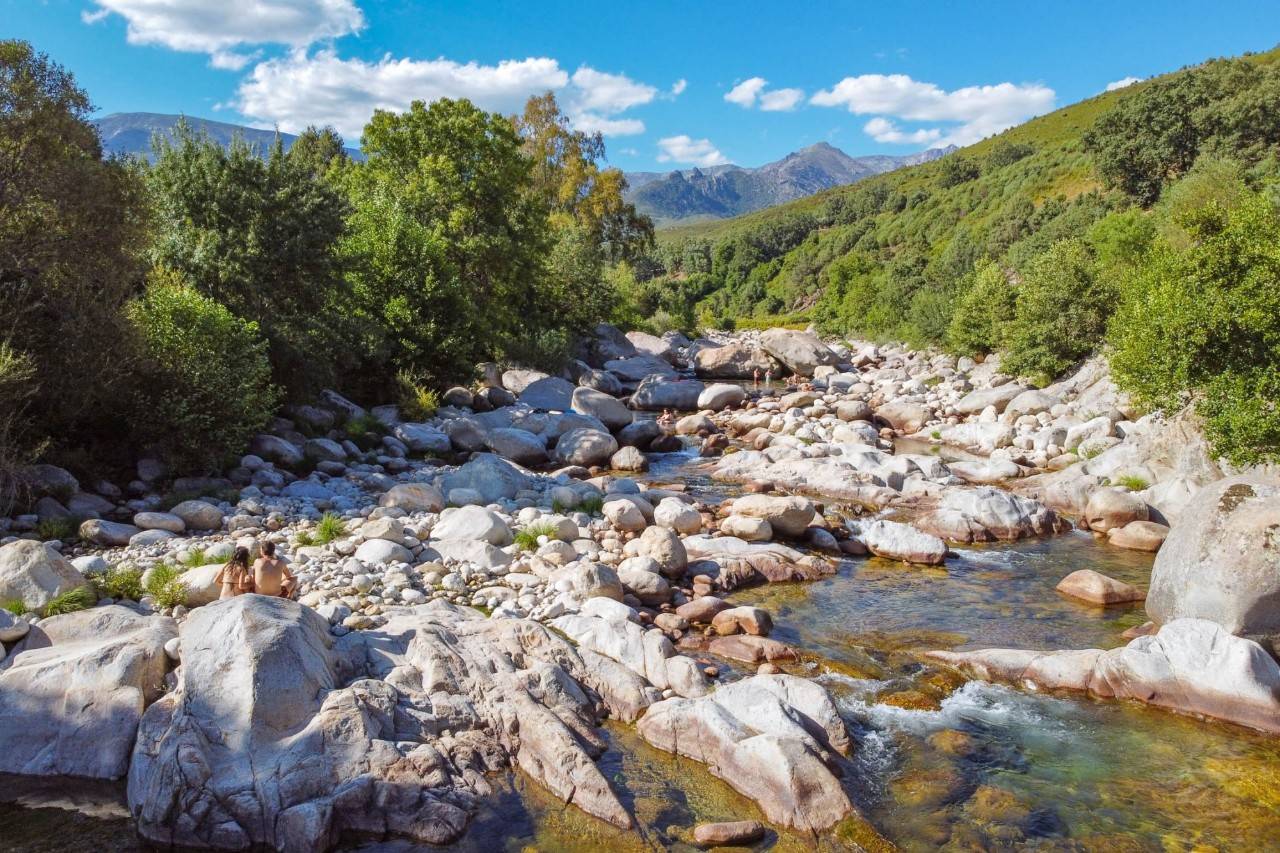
(235, 577)
(271, 576)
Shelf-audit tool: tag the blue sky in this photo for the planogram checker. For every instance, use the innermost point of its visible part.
(671, 85)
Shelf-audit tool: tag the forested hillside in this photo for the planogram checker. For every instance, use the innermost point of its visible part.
(1145, 215)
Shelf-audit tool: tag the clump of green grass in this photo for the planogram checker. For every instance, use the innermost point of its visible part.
(14, 606)
(592, 504)
(164, 585)
(329, 528)
(417, 401)
(304, 539)
(63, 529)
(363, 426)
(1132, 482)
(77, 598)
(1088, 452)
(527, 539)
(121, 582)
(195, 557)
(937, 433)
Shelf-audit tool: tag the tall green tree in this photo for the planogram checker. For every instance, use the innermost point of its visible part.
(258, 234)
(319, 150)
(71, 231)
(446, 244)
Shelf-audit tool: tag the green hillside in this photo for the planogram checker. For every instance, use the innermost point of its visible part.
(921, 229)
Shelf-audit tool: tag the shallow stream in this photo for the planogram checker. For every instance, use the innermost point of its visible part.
(940, 764)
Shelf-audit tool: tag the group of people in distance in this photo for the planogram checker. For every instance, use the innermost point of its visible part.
(267, 576)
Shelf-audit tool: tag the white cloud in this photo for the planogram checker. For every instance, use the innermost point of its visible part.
(1120, 84)
(980, 111)
(199, 26)
(593, 123)
(744, 94)
(322, 88)
(605, 93)
(679, 86)
(781, 100)
(884, 130)
(685, 150)
(299, 90)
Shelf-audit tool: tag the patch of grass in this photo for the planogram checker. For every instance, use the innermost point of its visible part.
(64, 529)
(14, 606)
(527, 539)
(937, 433)
(195, 557)
(592, 505)
(120, 582)
(417, 401)
(364, 426)
(305, 539)
(164, 586)
(932, 381)
(1089, 452)
(329, 528)
(1132, 482)
(79, 598)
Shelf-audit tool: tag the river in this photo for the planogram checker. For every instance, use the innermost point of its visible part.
(939, 763)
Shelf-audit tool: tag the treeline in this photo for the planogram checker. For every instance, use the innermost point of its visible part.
(1143, 221)
(172, 306)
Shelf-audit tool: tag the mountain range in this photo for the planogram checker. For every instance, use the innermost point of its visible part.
(130, 133)
(687, 195)
(720, 192)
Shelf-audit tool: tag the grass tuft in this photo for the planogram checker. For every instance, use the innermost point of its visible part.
(592, 504)
(164, 586)
(78, 598)
(14, 606)
(527, 539)
(417, 401)
(195, 557)
(64, 529)
(329, 528)
(1132, 482)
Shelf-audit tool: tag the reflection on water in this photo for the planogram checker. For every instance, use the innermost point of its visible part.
(940, 764)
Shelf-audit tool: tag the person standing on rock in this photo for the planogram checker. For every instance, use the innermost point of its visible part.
(271, 576)
(235, 576)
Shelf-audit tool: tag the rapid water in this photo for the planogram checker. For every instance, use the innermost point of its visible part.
(940, 764)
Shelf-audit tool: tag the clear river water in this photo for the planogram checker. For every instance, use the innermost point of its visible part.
(939, 763)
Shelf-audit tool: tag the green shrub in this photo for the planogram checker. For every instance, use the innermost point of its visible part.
(77, 598)
(14, 606)
(304, 539)
(329, 528)
(364, 426)
(204, 386)
(591, 505)
(1132, 482)
(121, 582)
(417, 402)
(1061, 314)
(63, 529)
(978, 322)
(1201, 324)
(527, 538)
(163, 584)
(195, 557)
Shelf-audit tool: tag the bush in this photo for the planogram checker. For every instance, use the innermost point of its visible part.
(1061, 314)
(14, 606)
(527, 539)
(329, 528)
(978, 321)
(1202, 324)
(121, 582)
(62, 529)
(417, 402)
(204, 387)
(16, 386)
(164, 585)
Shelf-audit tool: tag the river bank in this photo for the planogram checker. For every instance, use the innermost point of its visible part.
(631, 569)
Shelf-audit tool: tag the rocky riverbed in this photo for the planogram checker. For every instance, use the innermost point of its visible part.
(547, 578)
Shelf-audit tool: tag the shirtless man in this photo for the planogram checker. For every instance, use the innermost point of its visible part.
(272, 576)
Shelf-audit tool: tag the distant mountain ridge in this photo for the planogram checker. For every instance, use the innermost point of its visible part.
(130, 133)
(720, 192)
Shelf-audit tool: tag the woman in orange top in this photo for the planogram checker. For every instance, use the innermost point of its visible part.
(236, 577)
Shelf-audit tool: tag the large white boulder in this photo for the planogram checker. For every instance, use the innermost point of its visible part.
(34, 574)
(897, 541)
(473, 523)
(74, 690)
(800, 352)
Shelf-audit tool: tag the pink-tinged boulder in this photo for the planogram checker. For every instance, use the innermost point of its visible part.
(1139, 536)
(742, 620)
(751, 649)
(1097, 588)
(1110, 508)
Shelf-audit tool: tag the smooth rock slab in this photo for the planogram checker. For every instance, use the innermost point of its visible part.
(1191, 666)
(74, 690)
(764, 747)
